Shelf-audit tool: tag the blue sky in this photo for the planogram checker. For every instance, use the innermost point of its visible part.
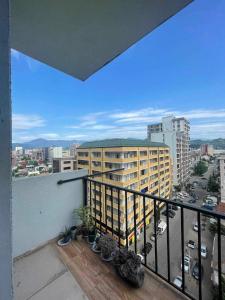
(177, 69)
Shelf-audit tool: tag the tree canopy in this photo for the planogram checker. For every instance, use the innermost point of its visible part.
(200, 168)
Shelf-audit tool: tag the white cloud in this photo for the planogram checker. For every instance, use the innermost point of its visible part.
(20, 121)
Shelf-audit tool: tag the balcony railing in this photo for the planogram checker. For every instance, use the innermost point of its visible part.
(127, 232)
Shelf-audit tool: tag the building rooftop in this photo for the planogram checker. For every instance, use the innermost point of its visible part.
(110, 143)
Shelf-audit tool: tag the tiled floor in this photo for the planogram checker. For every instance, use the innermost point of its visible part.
(41, 275)
(100, 282)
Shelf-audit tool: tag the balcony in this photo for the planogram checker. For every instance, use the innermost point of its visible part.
(38, 221)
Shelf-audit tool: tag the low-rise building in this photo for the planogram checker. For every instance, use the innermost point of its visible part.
(64, 164)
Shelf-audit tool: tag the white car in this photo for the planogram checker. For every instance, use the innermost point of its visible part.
(203, 251)
(191, 244)
(187, 263)
(178, 282)
(195, 227)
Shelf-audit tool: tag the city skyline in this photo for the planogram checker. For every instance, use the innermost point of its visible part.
(140, 87)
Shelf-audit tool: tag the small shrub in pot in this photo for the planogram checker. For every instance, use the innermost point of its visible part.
(108, 245)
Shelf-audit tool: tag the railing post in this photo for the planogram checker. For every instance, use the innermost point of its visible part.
(155, 231)
(126, 220)
(85, 192)
(199, 256)
(219, 258)
(182, 248)
(168, 241)
(135, 225)
(118, 196)
(144, 229)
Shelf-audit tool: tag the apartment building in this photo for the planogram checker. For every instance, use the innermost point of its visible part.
(147, 169)
(207, 149)
(174, 132)
(55, 152)
(221, 160)
(64, 164)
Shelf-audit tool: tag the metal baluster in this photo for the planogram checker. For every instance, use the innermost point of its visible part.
(144, 230)
(111, 208)
(135, 225)
(126, 212)
(105, 210)
(219, 258)
(90, 195)
(155, 231)
(199, 256)
(118, 198)
(168, 241)
(182, 248)
(95, 201)
(100, 199)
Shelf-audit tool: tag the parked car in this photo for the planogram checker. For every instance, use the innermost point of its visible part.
(162, 227)
(195, 271)
(195, 227)
(171, 213)
(191, 244)
(203, 251)
(192, 201)
(178, 282)
(187, 263)
(172, 207)
(207, 206)
(152, 238)
(185, 194)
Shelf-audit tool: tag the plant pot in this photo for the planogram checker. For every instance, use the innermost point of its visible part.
(95, 247)
(91, 238)
(85, 232)
(64, 241)
(73, 230)
(106, 257)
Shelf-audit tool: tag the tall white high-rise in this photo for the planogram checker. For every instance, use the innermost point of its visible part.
(174, 132)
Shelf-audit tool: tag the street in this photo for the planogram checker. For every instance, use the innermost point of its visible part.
(190, 218)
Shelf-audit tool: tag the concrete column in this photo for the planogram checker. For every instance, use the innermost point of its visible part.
(5, 157)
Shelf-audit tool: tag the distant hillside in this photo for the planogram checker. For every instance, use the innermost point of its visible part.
(217, 143)
(39, 143)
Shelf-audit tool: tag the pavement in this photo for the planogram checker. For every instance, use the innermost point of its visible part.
(42, 276)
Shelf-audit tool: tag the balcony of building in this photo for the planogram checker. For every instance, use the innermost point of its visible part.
(43, 206)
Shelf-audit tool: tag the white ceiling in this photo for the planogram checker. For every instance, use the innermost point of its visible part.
(79, 37)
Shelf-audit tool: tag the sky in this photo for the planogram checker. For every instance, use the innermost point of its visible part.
(177, 69)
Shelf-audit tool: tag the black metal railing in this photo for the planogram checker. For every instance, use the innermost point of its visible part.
(127, 232)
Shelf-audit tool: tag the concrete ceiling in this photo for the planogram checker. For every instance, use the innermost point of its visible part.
(79, 37)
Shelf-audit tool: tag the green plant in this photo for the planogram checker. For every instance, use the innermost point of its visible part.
(200, 168)
(213, 185)
(65, 233)
(107, 245)
(83, 214)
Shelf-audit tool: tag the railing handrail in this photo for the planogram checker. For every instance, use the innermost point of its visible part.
(89, 176)
(153, 197)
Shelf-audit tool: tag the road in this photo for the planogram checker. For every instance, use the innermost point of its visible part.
(190, 218)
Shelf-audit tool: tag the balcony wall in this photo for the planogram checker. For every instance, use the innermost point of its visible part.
(41, 208)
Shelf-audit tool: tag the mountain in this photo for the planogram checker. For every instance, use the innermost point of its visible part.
(40, 143)
(217, 143)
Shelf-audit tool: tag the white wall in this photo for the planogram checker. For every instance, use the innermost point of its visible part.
(41, 208)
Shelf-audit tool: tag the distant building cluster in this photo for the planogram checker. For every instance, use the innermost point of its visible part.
(41, 161)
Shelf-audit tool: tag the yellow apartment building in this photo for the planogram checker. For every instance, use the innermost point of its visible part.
(146, 168)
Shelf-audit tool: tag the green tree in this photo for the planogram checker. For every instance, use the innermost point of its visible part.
(213, 185)
(200, 168)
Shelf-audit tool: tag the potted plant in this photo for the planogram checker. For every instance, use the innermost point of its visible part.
(83, 215)
(128, 266)
(65, 237)
(96, 245)
(108, 246)
(91, 231)
(73, 230)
